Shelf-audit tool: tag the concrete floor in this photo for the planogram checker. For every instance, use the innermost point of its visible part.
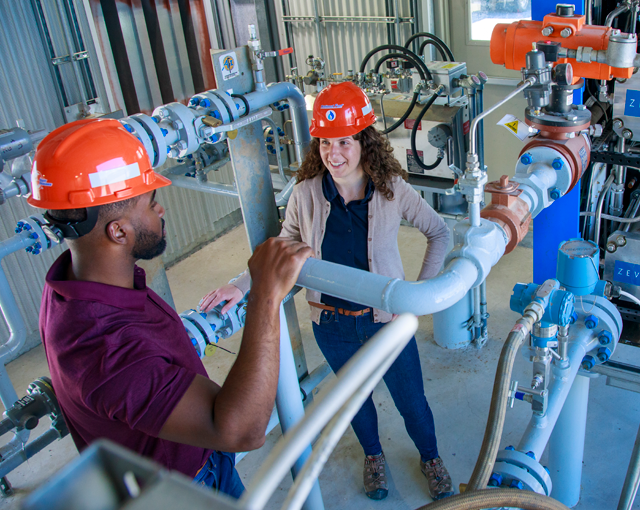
(458, 386)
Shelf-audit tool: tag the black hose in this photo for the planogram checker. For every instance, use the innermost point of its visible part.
(389, 56)
(415, 97)
(433, 38)
(395, 47)
(435, 45)
(496, 498)
(414, 131)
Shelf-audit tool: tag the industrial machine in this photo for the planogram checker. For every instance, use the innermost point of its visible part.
(573, 322)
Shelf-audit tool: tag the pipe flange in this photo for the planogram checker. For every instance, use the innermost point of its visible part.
(182, 119)
(608, 322)
(515, 465)
(137, 129)
(547, 156)
(231, 105)
(216, 105)
(156, 136)
(196, 334)
(207, 329)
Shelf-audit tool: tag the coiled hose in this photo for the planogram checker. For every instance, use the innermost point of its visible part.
(437, 41)
(499, 398)
(418, 61)
(435, 45)
(414, 132)
(510, 498)
(416, 95)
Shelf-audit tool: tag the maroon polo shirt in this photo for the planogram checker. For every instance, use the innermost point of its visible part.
(120, 361)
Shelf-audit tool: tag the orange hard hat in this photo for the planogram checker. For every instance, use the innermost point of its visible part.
(341, 109)
(90, 162)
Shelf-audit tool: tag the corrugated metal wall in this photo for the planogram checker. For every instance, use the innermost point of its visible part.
(29, 93)
(344, 45)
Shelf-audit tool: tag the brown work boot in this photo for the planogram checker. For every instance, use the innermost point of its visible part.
(438, 477)
(375, 477)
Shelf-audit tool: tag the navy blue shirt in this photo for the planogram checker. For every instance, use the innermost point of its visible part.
(346, 232)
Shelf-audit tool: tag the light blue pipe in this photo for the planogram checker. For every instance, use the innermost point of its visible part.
(566, 445)
(290, 407)
(391, 294)
(450, 326)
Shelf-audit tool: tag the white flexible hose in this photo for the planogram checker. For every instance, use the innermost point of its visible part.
(630, 296)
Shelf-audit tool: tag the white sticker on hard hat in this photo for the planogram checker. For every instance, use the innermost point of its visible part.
(120, 174)
(366, 109)
(331, 115)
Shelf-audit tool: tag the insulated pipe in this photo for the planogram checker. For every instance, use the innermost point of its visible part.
(181, 181)
(290, 408)
(391, 294)
(499, 398)
(298, 107)
(537, 433)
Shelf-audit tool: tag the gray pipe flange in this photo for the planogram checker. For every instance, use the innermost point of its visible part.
(156, 136)
(228, 100)
(137, 130)
(182, 119)
(515, 465)
(216, 104)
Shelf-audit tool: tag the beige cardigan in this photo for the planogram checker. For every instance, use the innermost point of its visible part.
(306, 218)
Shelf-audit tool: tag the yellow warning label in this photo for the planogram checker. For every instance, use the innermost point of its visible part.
(450, 66)
(513, 126)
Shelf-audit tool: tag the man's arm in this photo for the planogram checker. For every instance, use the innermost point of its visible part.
(234, 417)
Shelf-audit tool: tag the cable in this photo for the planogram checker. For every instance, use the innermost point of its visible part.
(421, 64)
(604, 112)
(384, 118)
(630, 296)
(435, 39)
(617, 219)
(414, 132)
(435, 45)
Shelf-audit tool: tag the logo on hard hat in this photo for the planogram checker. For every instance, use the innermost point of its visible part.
(331, 115)
(228, 63)
(326, 106)
(43, 182)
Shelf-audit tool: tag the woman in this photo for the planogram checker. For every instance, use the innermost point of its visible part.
(347, 205)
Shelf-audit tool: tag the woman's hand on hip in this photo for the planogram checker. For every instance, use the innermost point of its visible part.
(229, 293)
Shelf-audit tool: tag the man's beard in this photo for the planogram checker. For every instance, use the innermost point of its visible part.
(148, 244)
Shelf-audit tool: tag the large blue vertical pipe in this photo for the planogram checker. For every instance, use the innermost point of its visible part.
(566, 444)
(548, 232)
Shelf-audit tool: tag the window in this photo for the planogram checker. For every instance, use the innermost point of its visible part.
(486, 14)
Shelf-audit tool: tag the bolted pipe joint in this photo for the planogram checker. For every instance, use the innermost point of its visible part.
(482, 245)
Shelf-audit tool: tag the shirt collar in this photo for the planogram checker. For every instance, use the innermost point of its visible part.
(119, 297)
(331, 192)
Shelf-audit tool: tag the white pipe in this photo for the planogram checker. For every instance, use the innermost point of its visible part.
(349, 379)
(537, 434)
(181, 181)
(391, 294)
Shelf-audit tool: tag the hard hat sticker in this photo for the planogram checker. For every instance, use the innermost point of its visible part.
(366, 109)
(331, 115)
(327, 106)
(229, 65)
(120, 174)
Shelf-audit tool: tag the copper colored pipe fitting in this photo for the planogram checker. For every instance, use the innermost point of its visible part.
(508, 210)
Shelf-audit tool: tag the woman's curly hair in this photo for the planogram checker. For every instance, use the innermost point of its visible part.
(377, 160)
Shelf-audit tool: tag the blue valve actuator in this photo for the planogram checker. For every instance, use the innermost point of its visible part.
(558, 311)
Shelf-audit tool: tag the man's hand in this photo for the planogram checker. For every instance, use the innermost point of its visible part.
(229, 293)
(275, 267)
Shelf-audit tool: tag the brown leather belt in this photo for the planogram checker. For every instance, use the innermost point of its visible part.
(341, 311)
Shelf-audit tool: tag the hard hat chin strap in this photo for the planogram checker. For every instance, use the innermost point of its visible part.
(75, 229)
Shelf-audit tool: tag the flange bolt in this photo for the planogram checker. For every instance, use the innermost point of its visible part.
(605, 338)
(526, 159)
(573, 318)
(591, 321)
(555, 194)
(588, 362)
(510, 448)
(128, 128)
(516, 484)
(604, 353)
(205, 103)
(194, 101)
(495, 480)
(557, 164)
(531, 454)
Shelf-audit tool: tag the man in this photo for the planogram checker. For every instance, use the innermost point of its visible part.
(121, 363)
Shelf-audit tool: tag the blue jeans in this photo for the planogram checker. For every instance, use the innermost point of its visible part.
(339, 337)
(220, 473)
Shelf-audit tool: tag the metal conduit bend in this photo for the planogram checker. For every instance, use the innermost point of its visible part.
(496, 498)
(495, 422)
